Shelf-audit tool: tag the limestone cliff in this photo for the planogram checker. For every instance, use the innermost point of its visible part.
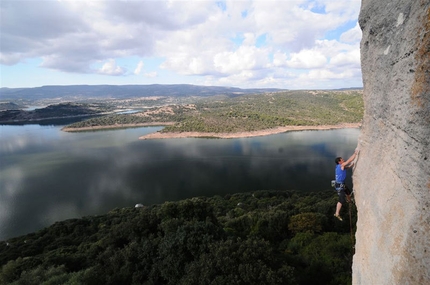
(392, 174)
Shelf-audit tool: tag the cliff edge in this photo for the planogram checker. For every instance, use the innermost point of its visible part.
(392, 174)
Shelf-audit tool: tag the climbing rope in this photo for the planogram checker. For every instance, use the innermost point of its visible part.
(350, 206)
(350, 224)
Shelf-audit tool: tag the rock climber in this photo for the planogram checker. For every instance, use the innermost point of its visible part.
(342, 190)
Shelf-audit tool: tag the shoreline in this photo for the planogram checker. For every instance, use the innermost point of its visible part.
(117, 126)
(159, 135)
(278, 130)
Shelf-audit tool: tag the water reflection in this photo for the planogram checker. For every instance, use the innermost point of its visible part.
(47, 175)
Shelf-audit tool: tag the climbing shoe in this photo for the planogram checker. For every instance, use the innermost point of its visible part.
(338, 217)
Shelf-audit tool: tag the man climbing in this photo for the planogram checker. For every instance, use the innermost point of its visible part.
(342, 190)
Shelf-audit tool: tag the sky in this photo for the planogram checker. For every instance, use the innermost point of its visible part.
(291, 44)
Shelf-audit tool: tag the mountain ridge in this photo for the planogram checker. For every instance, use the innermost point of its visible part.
(125, 91)
(130, 91)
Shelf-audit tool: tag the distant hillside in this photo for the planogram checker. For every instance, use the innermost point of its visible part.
(10, 106)
(64, 110)
(122, 91)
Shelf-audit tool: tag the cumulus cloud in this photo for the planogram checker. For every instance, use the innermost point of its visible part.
(152, 74)
(71, 36)
(111, 68)
(138, 68)
(352, 36)
(307, 59)
(294, 38)
(243, 59)
(347, 58)
(253, 42)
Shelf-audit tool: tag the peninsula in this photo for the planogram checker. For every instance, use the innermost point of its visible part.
(242, 116)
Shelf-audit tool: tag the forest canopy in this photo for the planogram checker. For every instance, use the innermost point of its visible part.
(263, 237)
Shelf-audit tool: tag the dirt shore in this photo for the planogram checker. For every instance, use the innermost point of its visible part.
(159, 135)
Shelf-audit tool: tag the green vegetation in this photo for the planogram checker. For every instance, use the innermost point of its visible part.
(249, 112)
(10, 106)
(62, 110)
(162, 115)
(257, 112)
(265, 237)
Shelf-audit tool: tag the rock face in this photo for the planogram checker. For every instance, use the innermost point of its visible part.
(392, 174)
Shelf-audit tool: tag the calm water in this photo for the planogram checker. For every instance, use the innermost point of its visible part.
(48, 175)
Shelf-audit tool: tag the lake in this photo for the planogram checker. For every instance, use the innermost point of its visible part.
(47, 175)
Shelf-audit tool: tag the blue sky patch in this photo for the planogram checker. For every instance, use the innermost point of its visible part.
(261, 41)
(222, 5)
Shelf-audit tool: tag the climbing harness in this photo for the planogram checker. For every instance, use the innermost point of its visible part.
(338, 187)
(341, 186)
